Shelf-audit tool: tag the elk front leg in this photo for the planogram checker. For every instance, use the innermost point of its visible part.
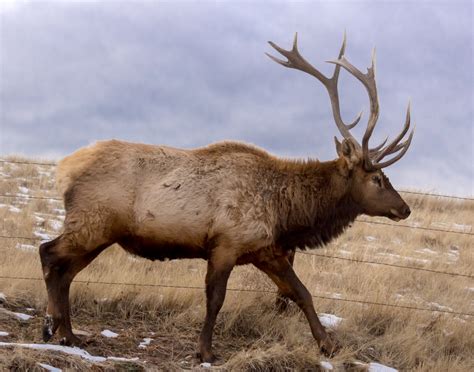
(282, 301)
(282, 274)
(60, 266)
(218, 272)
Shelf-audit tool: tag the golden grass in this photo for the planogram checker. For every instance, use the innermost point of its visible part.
(249, 334)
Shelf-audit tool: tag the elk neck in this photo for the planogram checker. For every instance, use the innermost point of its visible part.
(315, 204)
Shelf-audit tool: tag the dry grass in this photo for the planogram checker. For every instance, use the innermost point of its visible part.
(249, 334)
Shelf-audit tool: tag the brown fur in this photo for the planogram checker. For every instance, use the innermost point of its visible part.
(228, 203)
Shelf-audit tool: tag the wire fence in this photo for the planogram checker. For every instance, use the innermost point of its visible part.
(36, 197)
(354, 260)
(251, 290)
(402, 191)
(347, 259)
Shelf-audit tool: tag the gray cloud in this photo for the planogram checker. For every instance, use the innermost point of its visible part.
(186, 74)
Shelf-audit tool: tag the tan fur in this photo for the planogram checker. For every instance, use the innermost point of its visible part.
(229, 203)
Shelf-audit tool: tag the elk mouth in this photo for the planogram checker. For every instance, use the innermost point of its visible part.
(396, 215)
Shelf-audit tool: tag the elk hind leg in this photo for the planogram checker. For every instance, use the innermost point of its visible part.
(60, 265)
(283, 301)
(219, 268)
(282, 274)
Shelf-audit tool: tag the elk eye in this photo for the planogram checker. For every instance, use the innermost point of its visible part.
(377, 180)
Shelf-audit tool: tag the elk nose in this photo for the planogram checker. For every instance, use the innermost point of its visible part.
(406, 211)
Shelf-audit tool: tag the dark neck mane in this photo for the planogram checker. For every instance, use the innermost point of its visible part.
(315, 206)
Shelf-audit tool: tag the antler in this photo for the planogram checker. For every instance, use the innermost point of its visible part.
(373, 156)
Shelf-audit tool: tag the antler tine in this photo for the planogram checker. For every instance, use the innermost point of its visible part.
(375, 150)
(405, 145)
(392, 147)
(296, 61)
(368, 80)
(333, 83)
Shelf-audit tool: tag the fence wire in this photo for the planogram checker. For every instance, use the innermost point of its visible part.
(357, 220)
(402, 191)
(354, 260)
(251, 290)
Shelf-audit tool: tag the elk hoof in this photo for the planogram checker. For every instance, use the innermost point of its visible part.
(48, 328)
(207, 357)
(329, 347)
(71, 340)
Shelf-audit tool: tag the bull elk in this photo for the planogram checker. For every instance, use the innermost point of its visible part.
(228, 203)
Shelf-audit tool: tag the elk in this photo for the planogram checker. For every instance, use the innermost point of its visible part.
(228, 203)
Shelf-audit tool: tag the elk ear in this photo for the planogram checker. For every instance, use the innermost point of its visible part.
(348, 151)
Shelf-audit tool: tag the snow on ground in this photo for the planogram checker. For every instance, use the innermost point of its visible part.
(3, 297)
(50, 368)
(81, 333)
(145, 343)
(120, 359)
(205, 365)
(440, 307)
(68, 350)
(377, 367)
(3, 333)
(329, 320)
(370, 238)
(42, 235)
(55, 224)
(26, 247)
(14, 209)
(23, 190)
(426, 251)
(19, 316)
(326, 365)
(400, 257)
(108, 333)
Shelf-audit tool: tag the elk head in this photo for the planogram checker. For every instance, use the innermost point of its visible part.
(369, 187)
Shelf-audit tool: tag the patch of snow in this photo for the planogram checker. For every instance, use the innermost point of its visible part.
(50, 368)
(26, 247)
(42, 235)
(24, 190)
(14, 209)
(377, 367)
(398, 257)
(426, 250)
(55, 224)
(466, 228)
(39, 219)
(3, 205)
(81, 333)
(30, 309)
(205, 365)
(19, 316)
(64, 349)
(3, 297)
(336, 295)
(120, 359)
(440, 307)
(468, 288)
(3, 333)
(108, 333)
(145, 343)
(326, 365)
(370, 238)
(59, 210)
(329, 320)
(343, 251)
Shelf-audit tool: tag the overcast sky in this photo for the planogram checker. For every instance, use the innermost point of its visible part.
(186, 74)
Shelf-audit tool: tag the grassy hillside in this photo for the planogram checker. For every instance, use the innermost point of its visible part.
(249, 334)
